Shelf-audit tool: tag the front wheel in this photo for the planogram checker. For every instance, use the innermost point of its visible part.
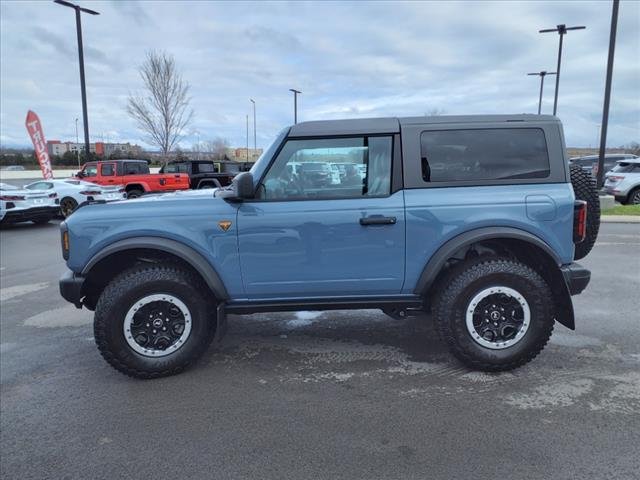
(134, 193)
(153, 321)
(494, 313)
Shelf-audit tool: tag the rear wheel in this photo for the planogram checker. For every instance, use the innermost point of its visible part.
(67, 206)
(634, 197)
(494, 314)
(584, 187)
(154, 321)
(134, 193)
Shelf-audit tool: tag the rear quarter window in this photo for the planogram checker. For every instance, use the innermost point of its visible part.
(484, 154)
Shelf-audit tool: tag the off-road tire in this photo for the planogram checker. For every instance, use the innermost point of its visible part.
(584, 187)
(41, 221)
(135, 193)
(130, 286)
(469, 278)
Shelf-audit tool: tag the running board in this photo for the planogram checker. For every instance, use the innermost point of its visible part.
(400, 303)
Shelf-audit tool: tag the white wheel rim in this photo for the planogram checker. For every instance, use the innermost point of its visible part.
(175, 344)
(477, 302)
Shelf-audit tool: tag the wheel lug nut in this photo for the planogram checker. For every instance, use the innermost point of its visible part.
(164, 328)
(148, 325)
(155, 331)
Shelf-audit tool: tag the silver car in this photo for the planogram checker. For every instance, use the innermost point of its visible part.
(623, 182)
(19, 205)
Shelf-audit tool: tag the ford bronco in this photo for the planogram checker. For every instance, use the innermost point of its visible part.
(475, 219)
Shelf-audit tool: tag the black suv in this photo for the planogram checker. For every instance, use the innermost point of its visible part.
(207, 173)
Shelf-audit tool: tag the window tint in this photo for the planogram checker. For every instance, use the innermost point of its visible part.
(91, 171)
(177, 168)
(484, 154)
(135, 168)
(204, 167)
(330, 168)
(107, 169)
(626, 167)
(40, 186)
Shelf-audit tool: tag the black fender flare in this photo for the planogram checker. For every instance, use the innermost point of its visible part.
(564, 311)
(186, 253)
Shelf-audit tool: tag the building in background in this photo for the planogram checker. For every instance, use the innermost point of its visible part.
(102, 149)
(240, 154)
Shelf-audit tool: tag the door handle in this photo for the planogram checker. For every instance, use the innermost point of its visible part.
(377, 220)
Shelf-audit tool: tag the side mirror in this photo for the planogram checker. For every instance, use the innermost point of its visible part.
(240, 189)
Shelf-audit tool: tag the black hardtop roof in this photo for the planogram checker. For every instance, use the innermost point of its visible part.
(392, 124)
(119, 160)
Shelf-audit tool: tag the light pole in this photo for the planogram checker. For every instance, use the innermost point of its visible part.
(295, 104)
(254, 125)
(607, 91)
(83, 89)
(542, 74)
(77, 148)
(247, 138)
(562, 31)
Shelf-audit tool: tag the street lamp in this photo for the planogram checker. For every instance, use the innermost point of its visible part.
(77, 149)
(542, 74)
(254, 125)
(607, 92)
(562, 31)
(83, 89)
(247, 138)
(295, 104)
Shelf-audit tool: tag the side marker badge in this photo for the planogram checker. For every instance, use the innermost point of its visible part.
(224, 225)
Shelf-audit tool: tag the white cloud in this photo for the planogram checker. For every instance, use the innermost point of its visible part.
(350, 59)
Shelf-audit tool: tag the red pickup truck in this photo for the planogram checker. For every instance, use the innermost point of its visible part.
(134, 175)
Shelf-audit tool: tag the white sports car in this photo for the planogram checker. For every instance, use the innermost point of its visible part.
(18, 205)
(72, 192)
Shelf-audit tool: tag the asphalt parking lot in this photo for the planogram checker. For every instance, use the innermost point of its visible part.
(318, 395)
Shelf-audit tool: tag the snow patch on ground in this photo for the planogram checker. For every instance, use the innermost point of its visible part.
(19, 290)
(553, 395)
(68, 316)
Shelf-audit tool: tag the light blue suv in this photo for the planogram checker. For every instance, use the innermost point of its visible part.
(472, 218)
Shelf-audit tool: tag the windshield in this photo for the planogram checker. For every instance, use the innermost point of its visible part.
(258, 168)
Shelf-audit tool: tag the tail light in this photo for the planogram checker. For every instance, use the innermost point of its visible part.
(615, 178)
(11, 198)
(579, 221)
(53, 195)
(90, 192)
(122, 190)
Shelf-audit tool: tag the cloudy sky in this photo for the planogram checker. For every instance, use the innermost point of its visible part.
(350, 59)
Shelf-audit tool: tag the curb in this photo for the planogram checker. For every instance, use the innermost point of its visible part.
(619, 219)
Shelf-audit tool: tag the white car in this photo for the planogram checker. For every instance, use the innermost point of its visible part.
(18, 205)
(72, 192)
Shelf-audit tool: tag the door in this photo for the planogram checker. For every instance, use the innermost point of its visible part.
(108, 172)
(318, 230)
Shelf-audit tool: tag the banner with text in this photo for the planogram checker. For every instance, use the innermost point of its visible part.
(34, 127)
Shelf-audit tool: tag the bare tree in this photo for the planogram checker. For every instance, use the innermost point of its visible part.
(218, 147)
(163, 111)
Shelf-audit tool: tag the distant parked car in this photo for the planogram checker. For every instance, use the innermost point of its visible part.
(18, 205)
(13, 168)
(73, 192)
(134, 175)
(590, 162)
(623, 182)
(207, 173)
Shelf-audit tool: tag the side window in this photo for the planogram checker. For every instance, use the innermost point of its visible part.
(132, 168)
(91, 171)
(107, 169)
(330, 168)
(176, 168)
(484, 154)
(205, 167)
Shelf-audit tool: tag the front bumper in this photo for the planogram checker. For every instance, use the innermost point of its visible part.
(576, 277)
(71, 284)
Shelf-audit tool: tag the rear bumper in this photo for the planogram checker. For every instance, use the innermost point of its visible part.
(71, 287)
(30, 214)
(576, 277)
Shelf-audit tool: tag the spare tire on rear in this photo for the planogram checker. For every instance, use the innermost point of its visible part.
(584, 187)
